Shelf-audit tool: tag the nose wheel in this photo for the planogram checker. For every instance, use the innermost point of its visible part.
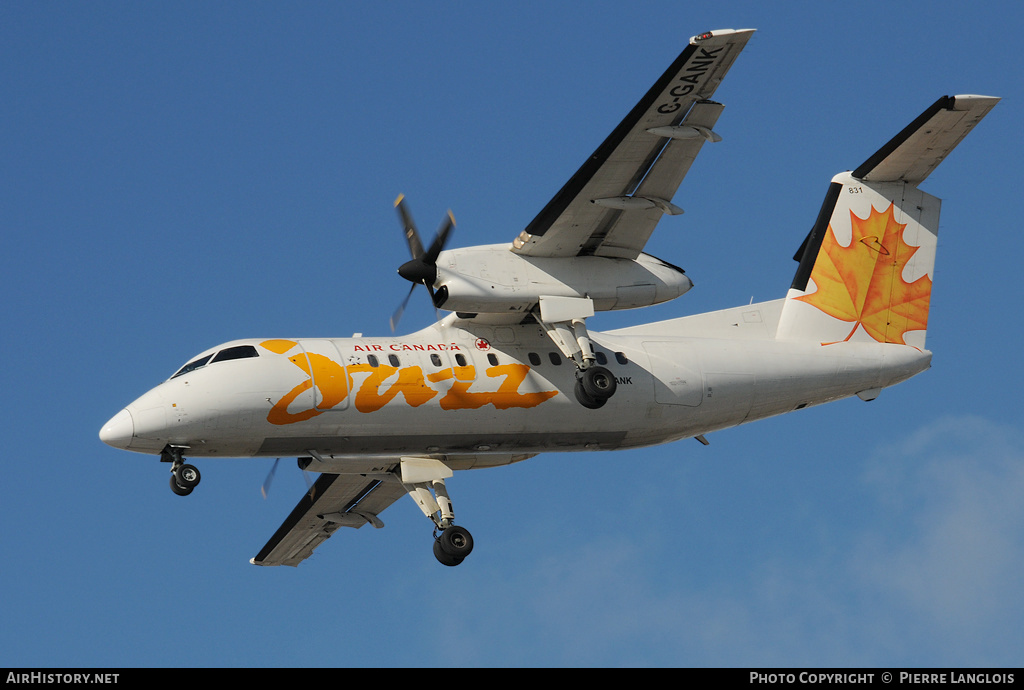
(184, 477)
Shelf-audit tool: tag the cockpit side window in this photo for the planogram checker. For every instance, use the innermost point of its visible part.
(237, 352)
(193, 365)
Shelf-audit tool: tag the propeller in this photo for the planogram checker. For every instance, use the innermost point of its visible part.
(265, 489)
(422, 268)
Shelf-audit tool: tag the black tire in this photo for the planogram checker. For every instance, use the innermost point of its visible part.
(179, 490)
(187, 477)
(598, 383)
(456, 541)
(586, 400)
(444, 558)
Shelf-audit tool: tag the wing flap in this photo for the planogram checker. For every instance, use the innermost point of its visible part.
(334, 501)
(600, 195)
(915, 152)
(629, 233)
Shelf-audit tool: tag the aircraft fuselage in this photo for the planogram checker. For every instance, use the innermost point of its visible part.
(494, 394)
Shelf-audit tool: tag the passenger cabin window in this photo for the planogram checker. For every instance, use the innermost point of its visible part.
(460, 359)
(394, 360)
(555, 359)
(238, 352)
(492, 358)
(435, 359)
(602, 359)
(192, 366)
(534, 359)
(372, 359)
(621, 358)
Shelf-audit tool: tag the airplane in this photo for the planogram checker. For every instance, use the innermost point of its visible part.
(514, 370)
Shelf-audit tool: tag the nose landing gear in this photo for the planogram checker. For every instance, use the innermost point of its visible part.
(184, 477)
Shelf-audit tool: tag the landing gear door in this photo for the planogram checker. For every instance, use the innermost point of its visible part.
(331, 382)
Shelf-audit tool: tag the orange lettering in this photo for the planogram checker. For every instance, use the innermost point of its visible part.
(508, 394)
(459, 396)
(409, 383)
(331, 381)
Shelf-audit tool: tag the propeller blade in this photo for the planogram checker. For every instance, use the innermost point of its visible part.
(401, 309)
(440, 240)
(265, 489)
(412, 236)
(433, 300)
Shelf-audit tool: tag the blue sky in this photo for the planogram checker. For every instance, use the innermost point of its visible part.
(176, 175)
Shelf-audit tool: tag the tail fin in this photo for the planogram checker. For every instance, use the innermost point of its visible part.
(866, 267)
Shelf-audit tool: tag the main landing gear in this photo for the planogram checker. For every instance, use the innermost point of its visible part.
(563, 319)
(184, 477)
(423, 479)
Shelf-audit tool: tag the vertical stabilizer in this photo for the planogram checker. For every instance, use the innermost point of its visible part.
(866, 267)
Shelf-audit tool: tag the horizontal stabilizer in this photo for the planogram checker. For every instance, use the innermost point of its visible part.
(915, 152)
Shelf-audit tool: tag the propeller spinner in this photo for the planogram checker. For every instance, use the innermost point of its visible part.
(422, 268)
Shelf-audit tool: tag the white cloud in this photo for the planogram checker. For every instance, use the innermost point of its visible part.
(954, 554)
(929, 576)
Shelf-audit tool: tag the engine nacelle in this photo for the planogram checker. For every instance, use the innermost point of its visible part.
(494, 279)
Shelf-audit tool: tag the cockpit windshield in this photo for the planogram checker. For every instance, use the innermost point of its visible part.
(229, 353)
(192, 366)
(237, 352)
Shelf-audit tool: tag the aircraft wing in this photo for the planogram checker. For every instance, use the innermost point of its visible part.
(335, 500)
(612, 203)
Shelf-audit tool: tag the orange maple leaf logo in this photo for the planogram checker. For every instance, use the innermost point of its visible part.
(863, 283)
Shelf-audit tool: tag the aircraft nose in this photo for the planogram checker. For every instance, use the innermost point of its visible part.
(118, 432)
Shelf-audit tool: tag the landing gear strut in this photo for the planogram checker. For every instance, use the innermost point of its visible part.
(423, 479)
(184, 477)
(564, 321)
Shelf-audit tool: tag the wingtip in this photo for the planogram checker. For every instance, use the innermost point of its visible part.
(966, 101)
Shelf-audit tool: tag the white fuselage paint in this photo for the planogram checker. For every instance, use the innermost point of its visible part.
(680, 379)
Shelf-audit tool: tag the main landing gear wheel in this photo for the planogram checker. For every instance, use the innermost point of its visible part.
(454, 544)
(184, 478)
(598, 382)
(583, 399)
(594, 385)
